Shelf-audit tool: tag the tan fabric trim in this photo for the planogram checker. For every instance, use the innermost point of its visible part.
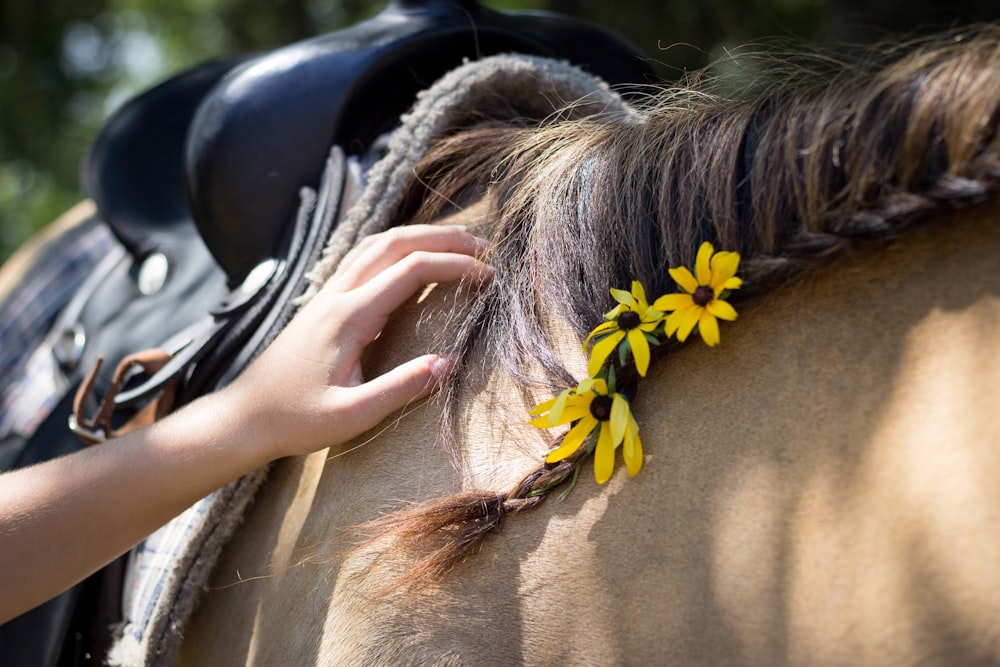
(18, 264)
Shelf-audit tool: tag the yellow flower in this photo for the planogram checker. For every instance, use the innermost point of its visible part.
(702, 302)
(629, 321)
(592, 406)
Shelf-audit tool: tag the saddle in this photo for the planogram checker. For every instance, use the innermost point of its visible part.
(221, 186)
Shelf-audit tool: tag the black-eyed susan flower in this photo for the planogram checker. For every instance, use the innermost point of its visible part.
(603, 420)
(630, 324)
(702, 300)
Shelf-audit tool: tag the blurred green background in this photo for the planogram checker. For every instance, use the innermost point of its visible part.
(66, 64)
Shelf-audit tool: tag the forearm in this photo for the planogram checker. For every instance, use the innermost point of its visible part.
(64, 519)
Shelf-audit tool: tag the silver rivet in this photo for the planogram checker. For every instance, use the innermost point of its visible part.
(69, 345)
(258, 276)
(153, 273)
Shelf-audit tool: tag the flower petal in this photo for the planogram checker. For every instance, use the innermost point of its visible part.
(573, 440)
(640, 350)
(649, 327)
(632, 449)
(602, 350)
(570, 414)
(683, 277)
(686, 320)
(651, 317)
(604, 457)
(540, 422)
(721, 309)
(575, 408)
(724, 266)
(675, 301)
(579, 397)
(558, 406)
(544, 406)
(733, 283)
(702, 264)
(613, 314)
(674, 321)
(620, 416)
(708, 326)
(603, 327)
(639, 292)
(622, 297)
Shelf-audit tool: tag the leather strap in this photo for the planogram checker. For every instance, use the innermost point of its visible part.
(100, 427)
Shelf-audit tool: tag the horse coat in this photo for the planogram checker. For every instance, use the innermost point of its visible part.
(817, 489)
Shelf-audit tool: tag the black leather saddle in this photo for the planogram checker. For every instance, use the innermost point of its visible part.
(235, 141)
(222, 185)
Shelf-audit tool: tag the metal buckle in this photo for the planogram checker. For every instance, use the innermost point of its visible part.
(95, 437)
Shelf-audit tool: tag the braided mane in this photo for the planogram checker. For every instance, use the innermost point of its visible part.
(813, 157)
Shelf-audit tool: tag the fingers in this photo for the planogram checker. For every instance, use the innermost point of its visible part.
(317, 358)
(378, 398)
(384, 271)
(389, 268)
(373, 302)
(376, 253)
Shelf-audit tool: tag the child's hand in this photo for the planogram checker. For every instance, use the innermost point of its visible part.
(307, 391)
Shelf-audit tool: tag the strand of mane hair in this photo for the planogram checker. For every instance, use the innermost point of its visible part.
(815, 156)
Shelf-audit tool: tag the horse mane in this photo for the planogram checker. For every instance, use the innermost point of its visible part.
(814, 156)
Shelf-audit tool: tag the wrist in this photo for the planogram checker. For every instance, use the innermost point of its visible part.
(231, 422)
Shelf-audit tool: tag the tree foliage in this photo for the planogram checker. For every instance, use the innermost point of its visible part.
(65, 66)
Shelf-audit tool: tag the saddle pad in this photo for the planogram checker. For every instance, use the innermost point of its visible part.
(181, 556)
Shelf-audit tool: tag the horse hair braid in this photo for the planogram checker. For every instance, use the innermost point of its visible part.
(444, 532)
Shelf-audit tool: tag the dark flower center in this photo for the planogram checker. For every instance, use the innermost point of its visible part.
(628, 320)
(703, 295)
(600, 407)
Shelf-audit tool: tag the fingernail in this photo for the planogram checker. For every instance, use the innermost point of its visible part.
(440, 368)
(463, 228)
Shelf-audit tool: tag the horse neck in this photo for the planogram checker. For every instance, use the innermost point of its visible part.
(834, 454)
(827, 472)
(857, 314)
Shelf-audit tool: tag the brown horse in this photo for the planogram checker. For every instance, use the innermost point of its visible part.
(821, 488)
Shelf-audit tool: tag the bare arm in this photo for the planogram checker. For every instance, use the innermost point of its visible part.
(64, 519)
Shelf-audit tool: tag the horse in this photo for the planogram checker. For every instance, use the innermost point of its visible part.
(819, 488)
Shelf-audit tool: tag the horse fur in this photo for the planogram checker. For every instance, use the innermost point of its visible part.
(823, 166)
(818, 490)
